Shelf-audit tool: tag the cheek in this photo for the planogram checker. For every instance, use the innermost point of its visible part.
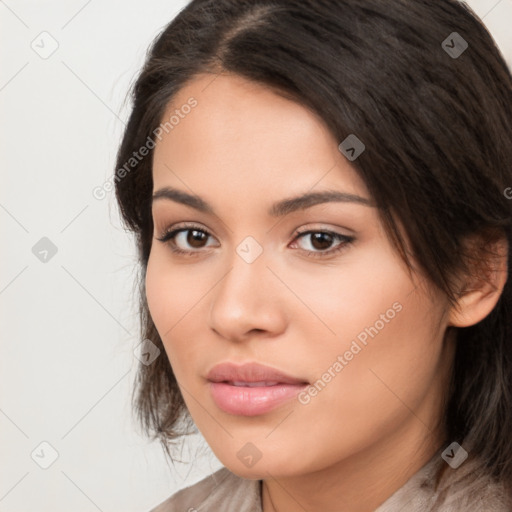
(387, 336)
(170, 292)
(174, 299)
(166, 306)
(386, 368)
(157, 287)
(352, 297)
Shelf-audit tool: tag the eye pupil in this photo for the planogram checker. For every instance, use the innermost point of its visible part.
(195, 237)
(324, 239)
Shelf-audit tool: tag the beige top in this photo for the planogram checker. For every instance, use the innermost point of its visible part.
(465, 489)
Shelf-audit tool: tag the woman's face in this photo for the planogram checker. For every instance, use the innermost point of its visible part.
(312, 289)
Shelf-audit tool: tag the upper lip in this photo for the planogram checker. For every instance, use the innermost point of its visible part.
(250, 372)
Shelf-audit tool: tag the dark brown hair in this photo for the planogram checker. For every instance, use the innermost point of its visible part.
(437, 127)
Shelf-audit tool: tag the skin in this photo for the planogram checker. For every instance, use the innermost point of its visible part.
(373, 425)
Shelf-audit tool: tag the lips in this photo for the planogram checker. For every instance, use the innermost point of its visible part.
(251, 389)
(253, 384)
(251, 375)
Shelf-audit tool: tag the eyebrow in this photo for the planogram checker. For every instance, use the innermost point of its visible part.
(281, 208)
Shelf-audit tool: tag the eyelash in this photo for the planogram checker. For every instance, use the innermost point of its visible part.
(344, 240)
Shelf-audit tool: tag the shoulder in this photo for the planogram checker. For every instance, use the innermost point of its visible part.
(222, 490)
(470, 487)
(437, 487)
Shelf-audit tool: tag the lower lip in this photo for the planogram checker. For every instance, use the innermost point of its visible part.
(251, 401)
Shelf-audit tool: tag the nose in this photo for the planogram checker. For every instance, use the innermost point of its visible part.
(248, 301)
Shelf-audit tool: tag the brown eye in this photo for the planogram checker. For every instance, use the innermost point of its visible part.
(322, 243)
(196, 238)
(321, 240)
(188, 240)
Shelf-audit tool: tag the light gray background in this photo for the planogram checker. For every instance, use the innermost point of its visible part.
(69, 325)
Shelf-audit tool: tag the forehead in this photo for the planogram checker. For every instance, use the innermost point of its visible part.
(248, 140)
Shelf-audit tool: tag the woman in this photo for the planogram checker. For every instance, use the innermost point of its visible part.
(317, 194)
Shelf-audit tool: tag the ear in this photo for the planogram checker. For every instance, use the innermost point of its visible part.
(482, 289)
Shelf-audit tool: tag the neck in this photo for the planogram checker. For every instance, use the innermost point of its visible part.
(361, 482)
